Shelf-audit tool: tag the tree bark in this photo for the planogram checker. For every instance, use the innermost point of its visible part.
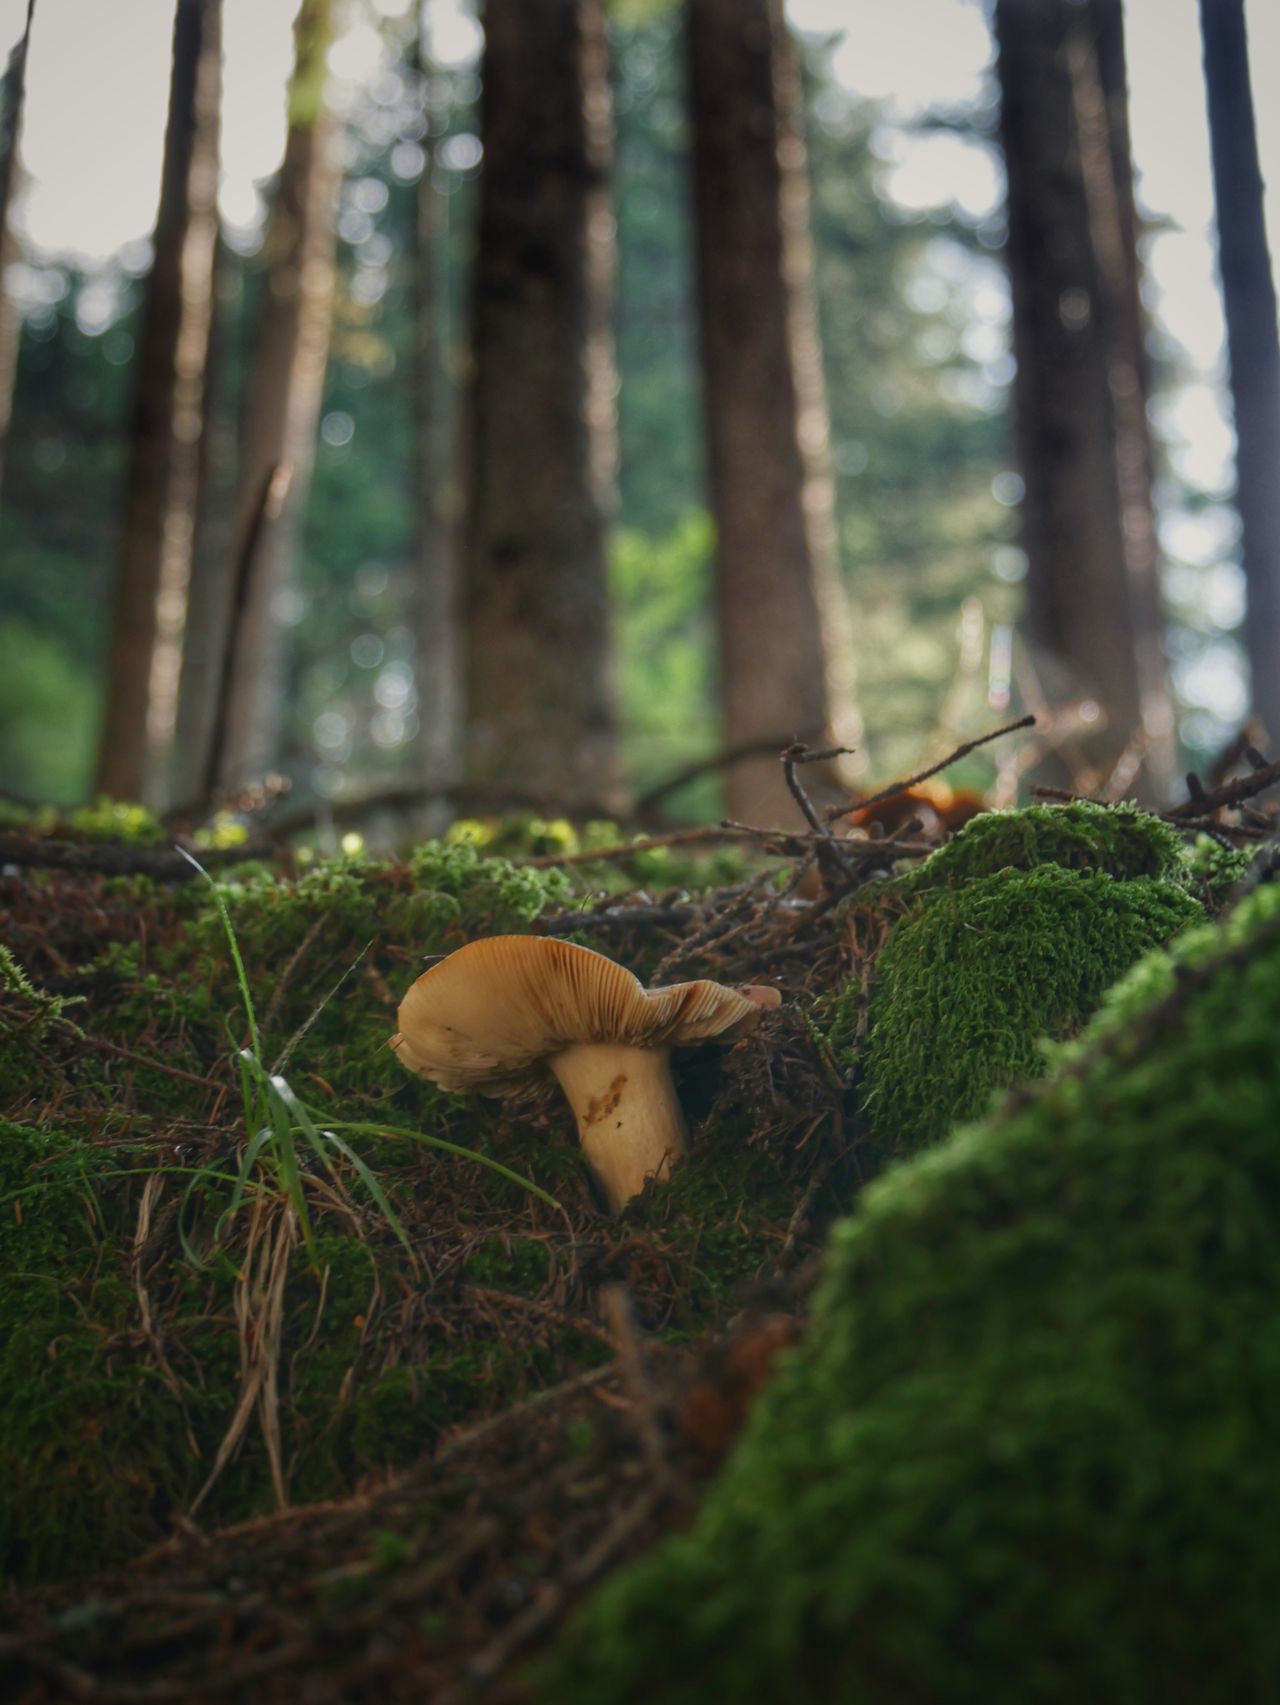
(212, 571)
(14, 94)
(538, 456)
(282, 408)
(437, 623)
(1093, 599)
(154, 566)
(1253, 343)
(786, 651)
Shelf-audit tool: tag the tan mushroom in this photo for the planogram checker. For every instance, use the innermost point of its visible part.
(498, 1014)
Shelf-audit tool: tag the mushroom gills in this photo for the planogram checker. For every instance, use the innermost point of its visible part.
(629, 1121)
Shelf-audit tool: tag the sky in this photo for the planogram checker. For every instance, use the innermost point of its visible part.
(97, 91)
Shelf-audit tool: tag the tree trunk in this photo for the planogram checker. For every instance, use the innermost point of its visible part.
(1253, 343)
(785, 635)
(156, 544)
(209, 603)
(282, 408)
(1093, 601)
(14, 94)
(538, 456)
(436, 592)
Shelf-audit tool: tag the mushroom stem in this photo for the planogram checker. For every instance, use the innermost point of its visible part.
(629, 1121)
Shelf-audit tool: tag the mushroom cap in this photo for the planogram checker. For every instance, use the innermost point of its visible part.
(489, 1016)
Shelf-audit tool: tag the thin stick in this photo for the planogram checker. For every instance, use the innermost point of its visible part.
(150, 1064)
(834, 867)
(722, 760)
(114, 858)
(615, 917)
(615, 1300)
(923, 775)
(487, 1664)
(1199, 806)
(676, 838)
(1230, 793)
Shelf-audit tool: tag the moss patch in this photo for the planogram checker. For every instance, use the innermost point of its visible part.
(120, 1356)
(1120, 839)
(1217, 869)
(1007, 935)
(1030, 1447)
(975, 976)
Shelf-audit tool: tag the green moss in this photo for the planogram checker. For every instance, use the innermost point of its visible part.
(720, 1219)
(93, 1447)
(104, 820)
(1030, 1449)
(15, 985)
(1007, 935)
(1217, 868)
(103, 1436)
(523, 835)
(972, 979)
(448, 893)
(27, 1015)
(106, 1433)
(520, 1264)
(98, 1449)
(391, 1420)
(1120, 839)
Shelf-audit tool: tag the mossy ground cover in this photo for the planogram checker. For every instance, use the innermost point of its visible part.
(1008, 935)
(122, 1284)
(1030, 1448)
(127, 1286)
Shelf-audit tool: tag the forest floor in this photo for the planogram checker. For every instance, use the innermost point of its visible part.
(436, 1584)
(277, 1432)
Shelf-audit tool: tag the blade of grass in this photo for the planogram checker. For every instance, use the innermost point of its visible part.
(188, 1248)
(241, 975)
(253, 1149)
(299, 1112)
(321, 1139)
(285, 1151)
(371, 1184)
(440, 1143)
(306, 1024)
(196, 1173)
(291, 1174)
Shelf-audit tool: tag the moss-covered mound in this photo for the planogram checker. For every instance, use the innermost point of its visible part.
(1216, 870)
(973, 979)
(1008, 934)
(1123, 840)
(1031, 1449)
(133, 1302)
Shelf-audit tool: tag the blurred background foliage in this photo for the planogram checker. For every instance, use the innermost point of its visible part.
(914, 320)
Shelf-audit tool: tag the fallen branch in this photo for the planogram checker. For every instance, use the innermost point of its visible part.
(115, 858)
(902, 787)
(1197, 810)
(615, 917)
(304, 814)
(1201, 803)
(758, 747)
(647, 843)
(835, 866)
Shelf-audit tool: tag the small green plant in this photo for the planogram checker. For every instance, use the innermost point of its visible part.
(281, 1122)
(281, 1127)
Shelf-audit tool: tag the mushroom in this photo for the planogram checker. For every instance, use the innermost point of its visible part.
(498, 1014)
